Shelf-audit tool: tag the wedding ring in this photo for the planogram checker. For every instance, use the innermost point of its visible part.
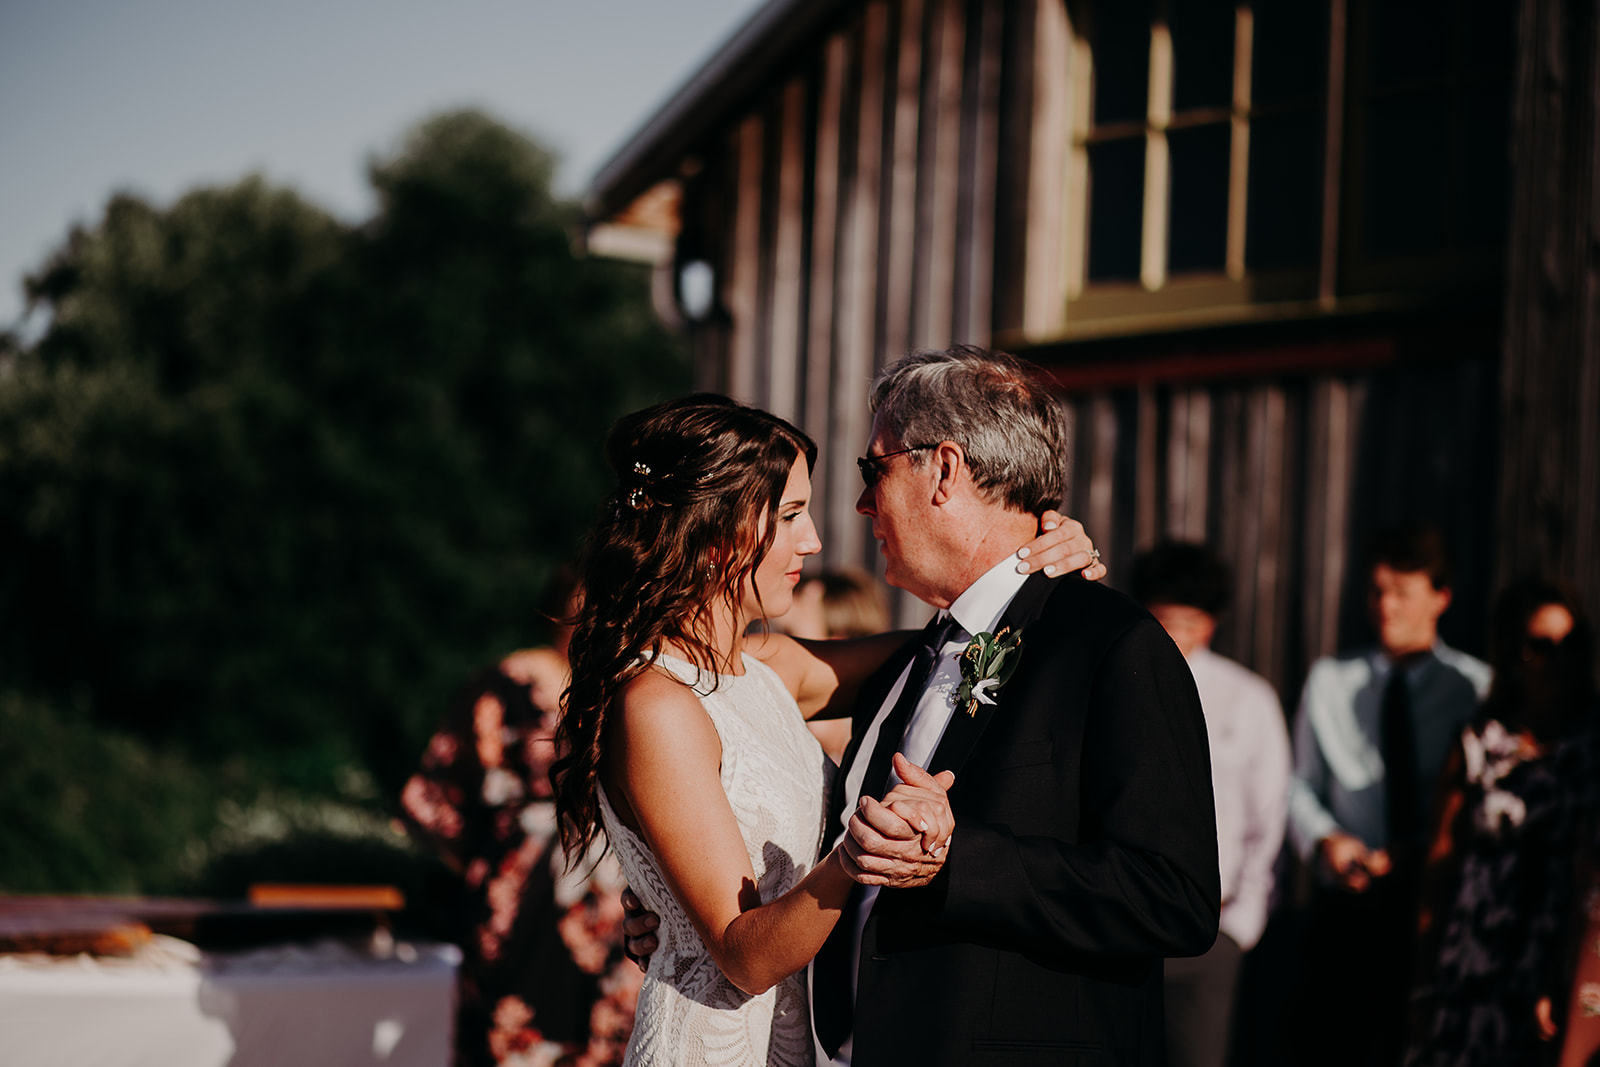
(1094, 555)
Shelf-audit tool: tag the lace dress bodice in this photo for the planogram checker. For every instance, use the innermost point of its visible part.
(776, 777)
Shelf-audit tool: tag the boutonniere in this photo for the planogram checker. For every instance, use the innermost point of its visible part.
(986, 664)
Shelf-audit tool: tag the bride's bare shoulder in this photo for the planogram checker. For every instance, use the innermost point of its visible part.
(657, 720)
(657, 687)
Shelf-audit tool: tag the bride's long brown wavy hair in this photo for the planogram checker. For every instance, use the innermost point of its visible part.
(680, 536)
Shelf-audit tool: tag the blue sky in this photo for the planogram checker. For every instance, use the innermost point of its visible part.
(159, 96)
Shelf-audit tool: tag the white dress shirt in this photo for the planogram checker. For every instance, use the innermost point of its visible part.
(1250, 770)
(977, 610)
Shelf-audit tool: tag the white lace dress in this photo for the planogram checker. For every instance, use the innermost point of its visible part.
(776, 778)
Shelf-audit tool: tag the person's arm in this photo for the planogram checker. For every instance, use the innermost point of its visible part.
(662, 773)
(832, 734)
(1310, 822)
(1142, 878)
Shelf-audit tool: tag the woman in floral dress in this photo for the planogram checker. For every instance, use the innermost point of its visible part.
(1501, 899)
(543, 978)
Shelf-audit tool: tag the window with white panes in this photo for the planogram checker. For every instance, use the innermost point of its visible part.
(1204, 177)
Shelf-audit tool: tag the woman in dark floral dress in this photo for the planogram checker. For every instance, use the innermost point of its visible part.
(543, 977)
(1499, 918)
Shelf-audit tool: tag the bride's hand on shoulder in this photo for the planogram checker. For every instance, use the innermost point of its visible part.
(1062, 547)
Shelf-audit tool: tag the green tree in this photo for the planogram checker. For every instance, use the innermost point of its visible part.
(271, 487)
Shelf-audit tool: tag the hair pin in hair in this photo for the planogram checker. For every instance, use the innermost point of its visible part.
(641, 495)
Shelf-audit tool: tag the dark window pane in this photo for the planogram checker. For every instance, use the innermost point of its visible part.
(1202, 53)
(1284, 219)
(1121, 61)
(1489, 29)
(1410, 40)
(1409, 163)
(1484, 168)
(1116, 209)
(1289, 50)
(1197, 238)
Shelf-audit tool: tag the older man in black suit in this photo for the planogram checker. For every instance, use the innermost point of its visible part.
(1085, 842)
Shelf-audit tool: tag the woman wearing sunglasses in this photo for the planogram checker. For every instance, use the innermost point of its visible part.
(1503, 898)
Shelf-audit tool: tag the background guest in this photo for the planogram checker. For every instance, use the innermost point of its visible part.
(1185, 586)
(846, 602)
(1499, 918)
(543, 976)
(1373, 732)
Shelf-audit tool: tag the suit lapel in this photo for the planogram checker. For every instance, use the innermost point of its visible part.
(964, 730)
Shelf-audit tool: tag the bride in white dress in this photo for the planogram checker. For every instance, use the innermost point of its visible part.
(685, 742)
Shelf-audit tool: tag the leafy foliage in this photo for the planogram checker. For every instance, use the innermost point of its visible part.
(271, 486)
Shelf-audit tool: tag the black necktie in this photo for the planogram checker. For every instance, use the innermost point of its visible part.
(1400, 763)
(832, 996)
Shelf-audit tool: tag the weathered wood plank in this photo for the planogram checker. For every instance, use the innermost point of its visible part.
(1270, 511)
(1549, 502)
(787, 283)
(974, 300)
(832, 472)
(1199, 466)
(941, 165)
(1232, 523)
(901, 206)
(1044, 300)
(1147, 476)
(742, 291)
(856, 293)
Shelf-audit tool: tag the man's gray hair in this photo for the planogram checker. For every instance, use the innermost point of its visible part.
(1010, 426)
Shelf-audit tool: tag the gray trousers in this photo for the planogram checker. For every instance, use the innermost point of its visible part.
(1199, 995)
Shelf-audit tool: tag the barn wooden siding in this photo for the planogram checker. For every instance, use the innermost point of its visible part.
(850, 215)
(1283, 476)
(902, 183)
(1549, 505)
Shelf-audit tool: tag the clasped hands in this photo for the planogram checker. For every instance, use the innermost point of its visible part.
(1353, 865)
(900, 842)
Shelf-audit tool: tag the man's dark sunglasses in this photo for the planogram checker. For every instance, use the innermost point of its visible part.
(872, 466)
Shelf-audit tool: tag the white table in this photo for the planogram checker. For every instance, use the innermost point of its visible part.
(299, 1005)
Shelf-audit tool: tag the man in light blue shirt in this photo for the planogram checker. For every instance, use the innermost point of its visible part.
(1373, 732)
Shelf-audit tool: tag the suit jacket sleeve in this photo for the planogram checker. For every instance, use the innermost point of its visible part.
(1139, 874)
